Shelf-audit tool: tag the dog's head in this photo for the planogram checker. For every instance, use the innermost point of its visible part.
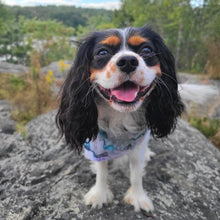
(127, 68)
(124, 66)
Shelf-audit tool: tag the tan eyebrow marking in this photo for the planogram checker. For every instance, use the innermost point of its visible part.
(112, 40)
(136, 40)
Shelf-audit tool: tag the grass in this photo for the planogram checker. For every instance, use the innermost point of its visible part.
(208, 126)
(29, 96)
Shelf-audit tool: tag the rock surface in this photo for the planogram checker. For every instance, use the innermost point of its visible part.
(7, 125)
(201, 96)
(41, 179)
(13, 68)
(54, 66)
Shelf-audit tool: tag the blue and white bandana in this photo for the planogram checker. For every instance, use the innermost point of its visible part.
(103, 149)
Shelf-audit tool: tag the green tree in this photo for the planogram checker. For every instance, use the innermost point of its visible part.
(12, 46)
(50, 39)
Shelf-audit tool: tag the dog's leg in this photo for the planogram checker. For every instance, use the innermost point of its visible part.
(136, 194)
(100, 192)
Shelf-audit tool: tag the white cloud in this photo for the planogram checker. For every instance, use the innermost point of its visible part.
(105, 5)
(40, 2)
(10, 2)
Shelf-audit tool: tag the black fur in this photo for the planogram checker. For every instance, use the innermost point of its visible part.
(77, 114)
(164, 104)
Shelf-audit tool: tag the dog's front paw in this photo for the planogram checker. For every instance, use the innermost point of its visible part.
(148, 155)
(139, 200)
(96, 197)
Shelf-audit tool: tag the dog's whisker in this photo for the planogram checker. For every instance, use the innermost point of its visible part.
(87, 94)
(85, 81)
(166, 74)
(90, 90)
(158, 84)
(167, 88)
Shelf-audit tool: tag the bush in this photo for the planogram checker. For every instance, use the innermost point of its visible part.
(29, 97)
(209, 127)
(30, 94)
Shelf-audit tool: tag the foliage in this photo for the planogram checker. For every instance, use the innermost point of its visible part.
(95, 23)
(5, 15)
(19, 39)
(70, 16)
(50, 78)
(209, 127)
(12, 46)
(45, 30)
(30, 95)
(50, 39)
(63, 66)
(213, 45)
(216, 139)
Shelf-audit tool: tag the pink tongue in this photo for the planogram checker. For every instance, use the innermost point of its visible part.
(125, 94)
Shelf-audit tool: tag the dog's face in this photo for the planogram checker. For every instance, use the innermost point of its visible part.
(124, 67)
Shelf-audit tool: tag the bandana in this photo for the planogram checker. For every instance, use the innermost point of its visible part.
(103, 149)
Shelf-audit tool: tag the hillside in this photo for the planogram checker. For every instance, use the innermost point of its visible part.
(68, 15)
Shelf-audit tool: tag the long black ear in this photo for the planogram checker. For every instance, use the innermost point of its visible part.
(164, 104)
(77, 114)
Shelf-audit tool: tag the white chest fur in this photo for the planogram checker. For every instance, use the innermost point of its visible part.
(120, 126)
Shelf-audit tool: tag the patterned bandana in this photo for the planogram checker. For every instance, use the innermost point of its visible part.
(103, 149)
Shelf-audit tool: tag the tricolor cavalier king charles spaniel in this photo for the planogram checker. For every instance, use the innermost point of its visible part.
(121, 87)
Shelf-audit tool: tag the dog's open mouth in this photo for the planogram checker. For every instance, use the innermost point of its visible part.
(127, 93)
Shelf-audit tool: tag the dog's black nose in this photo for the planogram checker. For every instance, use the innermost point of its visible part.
(127, 64)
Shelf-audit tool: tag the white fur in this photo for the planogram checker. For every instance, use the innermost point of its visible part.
(100, 193)
(136, 194)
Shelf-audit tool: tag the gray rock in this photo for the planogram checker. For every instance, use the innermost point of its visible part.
(7, 125)
(13, 68)
(200, 96)
(189, 78)
(17, 69)
(41, 178)
(54, 66)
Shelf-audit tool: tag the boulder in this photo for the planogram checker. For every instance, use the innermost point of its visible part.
(56, 69)
(200, 96)
(13, 68)
(41, 178)
(7, 125)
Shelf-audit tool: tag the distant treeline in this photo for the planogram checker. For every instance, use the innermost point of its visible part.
(69, 15)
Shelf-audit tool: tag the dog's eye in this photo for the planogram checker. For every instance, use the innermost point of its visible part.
(146, 50)
(102, 52)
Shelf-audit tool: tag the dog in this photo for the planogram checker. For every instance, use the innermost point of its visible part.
(121, 87)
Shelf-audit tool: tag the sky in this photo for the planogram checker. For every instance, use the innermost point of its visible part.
(107, 4)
